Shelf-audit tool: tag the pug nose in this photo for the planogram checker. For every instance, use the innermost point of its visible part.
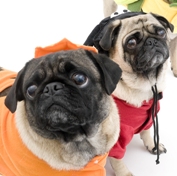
(151, 42)
(53, 88)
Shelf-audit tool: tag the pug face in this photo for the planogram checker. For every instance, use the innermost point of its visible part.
(137, 41)
(145, 44)
(65, 93)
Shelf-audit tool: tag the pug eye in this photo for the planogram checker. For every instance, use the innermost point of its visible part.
(161, 32)
(31, 91)
(131, 44)
(79, 79)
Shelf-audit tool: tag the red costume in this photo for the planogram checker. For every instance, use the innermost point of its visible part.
(132, 121)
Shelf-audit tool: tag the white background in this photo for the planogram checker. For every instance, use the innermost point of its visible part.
(27, 24)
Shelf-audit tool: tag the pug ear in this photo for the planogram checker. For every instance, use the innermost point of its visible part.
(103, 34)
(164, 22)
(15, 94)
(109, 33)
(110, 71)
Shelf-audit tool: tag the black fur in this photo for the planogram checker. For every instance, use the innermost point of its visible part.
(55, 105)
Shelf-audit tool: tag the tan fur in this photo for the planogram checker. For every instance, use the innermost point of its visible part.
(109, 7)
(173, 53)
(133, 85)
(134, 88)
(119, 167)
(60, 155)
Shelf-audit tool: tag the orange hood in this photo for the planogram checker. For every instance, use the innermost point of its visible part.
(64, 44)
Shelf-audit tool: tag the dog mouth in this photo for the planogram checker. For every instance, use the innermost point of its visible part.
(156, 60)
(57, 116)
(150, 61)
(58, 120)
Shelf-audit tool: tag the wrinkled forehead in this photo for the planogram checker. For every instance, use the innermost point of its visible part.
(75, 59)
(60, 62)
(140, 23)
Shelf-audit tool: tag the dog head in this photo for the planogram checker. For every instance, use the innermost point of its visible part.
(65, 93)
(136, 40)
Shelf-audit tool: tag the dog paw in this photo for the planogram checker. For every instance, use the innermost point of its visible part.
(119, 167)
(162, 149)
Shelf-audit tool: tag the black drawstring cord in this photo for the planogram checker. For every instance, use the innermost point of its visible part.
(155, 122)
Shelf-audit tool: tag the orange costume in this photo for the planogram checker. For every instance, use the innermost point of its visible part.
(15, 158)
